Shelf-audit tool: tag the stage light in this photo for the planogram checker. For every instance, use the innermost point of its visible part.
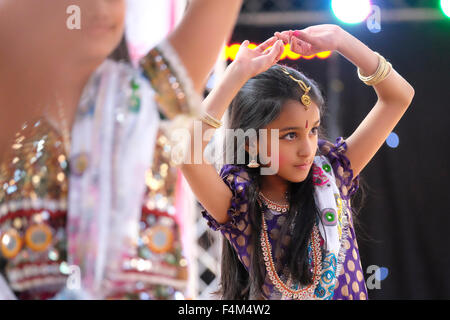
(381, 273)
(445, 7)
(351, 11)
(229, 53)
(393, 140)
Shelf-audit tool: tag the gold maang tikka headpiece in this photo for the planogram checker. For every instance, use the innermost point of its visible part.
(306, 99)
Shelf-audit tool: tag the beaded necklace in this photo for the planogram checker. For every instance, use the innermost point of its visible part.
(298, 294)
(273, 205)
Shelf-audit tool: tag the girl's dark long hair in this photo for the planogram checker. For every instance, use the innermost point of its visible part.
(121, 52)
(259, 102)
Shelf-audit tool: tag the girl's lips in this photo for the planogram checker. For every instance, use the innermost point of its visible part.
(303, 166)
(100, 28)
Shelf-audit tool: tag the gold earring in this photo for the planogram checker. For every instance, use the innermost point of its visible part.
(253, 164)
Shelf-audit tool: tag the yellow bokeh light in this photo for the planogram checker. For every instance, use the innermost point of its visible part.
(324, 54)
(229, 53)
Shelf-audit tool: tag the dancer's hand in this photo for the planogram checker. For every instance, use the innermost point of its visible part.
(255, 61)
(311, 40)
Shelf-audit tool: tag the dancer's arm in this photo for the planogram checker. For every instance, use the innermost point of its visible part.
(205, 182)
(394, 93)
(201, 34)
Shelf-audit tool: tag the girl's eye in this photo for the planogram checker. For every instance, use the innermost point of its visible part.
(315, 130)
(290, 136)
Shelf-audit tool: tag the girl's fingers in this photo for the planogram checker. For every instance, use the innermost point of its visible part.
(264, 62)
(302, 35)
(263, 46)
(284, 36)
(280, 53)
(301, 47)
(295, 46)
(267, 52)
(276, 51)
(245, 43)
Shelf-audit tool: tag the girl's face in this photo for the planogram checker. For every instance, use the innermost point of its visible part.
(69, 30)
(298, 138)
(102, 26)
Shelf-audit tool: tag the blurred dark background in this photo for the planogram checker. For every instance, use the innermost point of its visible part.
(403, 225)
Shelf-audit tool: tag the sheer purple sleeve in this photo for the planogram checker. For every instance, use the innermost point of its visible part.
(343, 172)
(237, 180)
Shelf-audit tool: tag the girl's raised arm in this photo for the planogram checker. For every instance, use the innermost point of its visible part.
(203, 179)
(394, 93)
(201, 34)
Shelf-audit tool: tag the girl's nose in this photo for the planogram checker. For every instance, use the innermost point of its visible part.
(306, 148)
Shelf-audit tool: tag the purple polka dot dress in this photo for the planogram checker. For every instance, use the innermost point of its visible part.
(350, 284)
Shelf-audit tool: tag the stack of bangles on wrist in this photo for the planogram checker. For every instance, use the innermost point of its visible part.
(208, 119)
(383, 70)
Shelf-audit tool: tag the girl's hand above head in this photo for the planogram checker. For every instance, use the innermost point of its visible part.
(311, 40)
(255, 61)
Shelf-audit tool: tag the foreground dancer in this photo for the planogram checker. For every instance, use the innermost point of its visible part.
(290, 235)
(87, 197)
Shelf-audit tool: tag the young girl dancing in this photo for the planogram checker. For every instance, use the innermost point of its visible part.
(290, 235)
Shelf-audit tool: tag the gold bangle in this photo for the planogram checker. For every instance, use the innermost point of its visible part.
(383, 74)
(212, 124)
(376, 73)
(210, 120)
(379, 75)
